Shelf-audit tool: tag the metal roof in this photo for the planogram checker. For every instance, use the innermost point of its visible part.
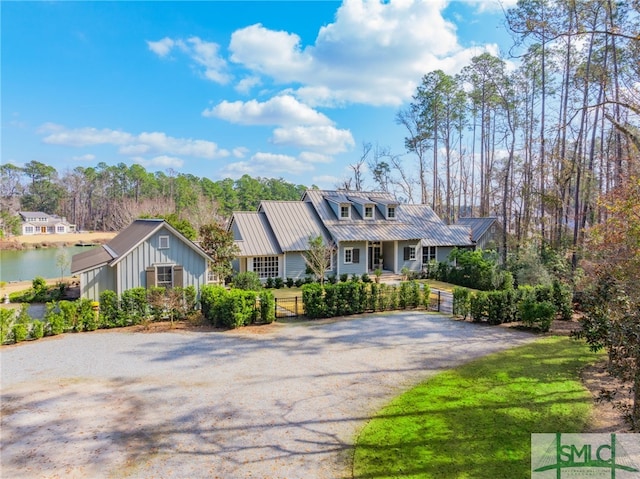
(479, 226)
(256, 236)
(130, 237)
(282, 215)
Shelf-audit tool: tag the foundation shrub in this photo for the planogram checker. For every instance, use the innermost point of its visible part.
(134, 305)
(461, 301)
(267, 307)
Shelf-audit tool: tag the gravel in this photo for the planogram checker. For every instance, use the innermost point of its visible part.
(286, 401)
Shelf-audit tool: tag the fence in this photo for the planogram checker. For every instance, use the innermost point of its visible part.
(441, 302)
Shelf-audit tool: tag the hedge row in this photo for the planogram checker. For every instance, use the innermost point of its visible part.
(354, 297)
(536, 306)
(135, 306)
(233, 308)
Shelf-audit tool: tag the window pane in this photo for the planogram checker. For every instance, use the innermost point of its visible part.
(164, 276)
(266, 266)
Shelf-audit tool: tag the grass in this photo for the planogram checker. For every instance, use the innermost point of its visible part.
(476, 421)
(441, 285)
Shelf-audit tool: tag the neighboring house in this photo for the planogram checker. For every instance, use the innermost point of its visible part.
(149, 252)
(37, 222)
(486, 233)
(369, 231)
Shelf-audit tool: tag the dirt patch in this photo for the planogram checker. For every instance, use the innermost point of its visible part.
(606, 417)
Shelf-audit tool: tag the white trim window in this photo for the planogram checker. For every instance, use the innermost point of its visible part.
(60, 229)
(412, 253)
(266, 266)
(391, 212)
(348, 255)
(368, 212)
(28, 230)
(164, 276)
(163, 242)
(345, 211)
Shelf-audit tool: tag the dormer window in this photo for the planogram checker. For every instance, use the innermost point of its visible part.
(368, 212)
(391, 212)
(345, 211)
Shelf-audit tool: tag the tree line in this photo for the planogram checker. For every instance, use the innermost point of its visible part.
(109, 197)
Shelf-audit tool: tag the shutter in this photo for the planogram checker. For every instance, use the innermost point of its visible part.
(177, 276)
(406, 253)
(356, 255)
(151, 277)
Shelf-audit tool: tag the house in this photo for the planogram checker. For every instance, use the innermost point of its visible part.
(486, 233)
(37, 222)
(369, 231)
(148, 252)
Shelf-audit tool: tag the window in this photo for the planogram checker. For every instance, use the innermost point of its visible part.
(428, 254)
(391, 212)
(368, 212)
(164, 276)
(348, 255)
(410, 253)
(266, 266)
(28, 229)
(351, 255)
(60, 229)
(345, 211)
(163, 242)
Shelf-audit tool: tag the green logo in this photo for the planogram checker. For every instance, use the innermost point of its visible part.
(583, 455)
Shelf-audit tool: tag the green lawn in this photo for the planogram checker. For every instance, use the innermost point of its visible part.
(476, 421)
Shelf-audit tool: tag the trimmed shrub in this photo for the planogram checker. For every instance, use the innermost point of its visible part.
(366, 278)
(562, 298)
(110, 314)
(537, 314)
(331, 300)
(299, 282)
(157, 303)
(134, 305)
(313, 301)
(426, 296)
(238, 308)
(413, 301)
(249, 280)
(37, 329)
(289, 282)
(20, 332)
(479, 307)
(344, 277)
(461, 301)
(267, 307)
(269, 284)
(278, 283)
(211, 299)
(7, 317)
(87, 320)
(383, 297)
(332, 279)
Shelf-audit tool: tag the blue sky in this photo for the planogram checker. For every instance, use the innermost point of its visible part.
(220, 89)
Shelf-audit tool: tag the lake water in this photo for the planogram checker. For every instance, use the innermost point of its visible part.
(24, 265)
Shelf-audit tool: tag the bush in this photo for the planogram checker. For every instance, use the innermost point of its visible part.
(414, 295)
(479, 306)
(299, 282)
(39, 286)
(211, 298)
(20, 332)
(238, 308)
(37, 329)
(313, 301)
(289, 282)
(332, 279)
(55, 319)
(461, 301)
(267, 307)
(344, 277)
(87, 320)
(366, 278)
(278, 282)
(134, 305)
(157, 303)
(110, 314)
(249, 281)
(562, 298)
(269, 284)
(537, 314)
(426, 296)
(7, 317)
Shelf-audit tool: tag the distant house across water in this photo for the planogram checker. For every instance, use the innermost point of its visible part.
(39, 223)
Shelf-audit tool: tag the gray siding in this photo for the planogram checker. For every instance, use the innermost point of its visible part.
(97, 280)
(354, 268)
(131, 269)
(412, 265)
(295, 265)
(442, 253)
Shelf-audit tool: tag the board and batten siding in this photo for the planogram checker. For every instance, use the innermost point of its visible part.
(97, 280)
(294, 265)
(132, 268)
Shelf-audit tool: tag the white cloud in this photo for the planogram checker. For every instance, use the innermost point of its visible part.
(162, 161)
(203, 53)
(267, 164)
(129, 144)
(374, 53)
(310, 157)
(326, 181)
(327, 139)
(280, 110)
(240, 152)
(245, 85)
(492, 5)
(162, 47)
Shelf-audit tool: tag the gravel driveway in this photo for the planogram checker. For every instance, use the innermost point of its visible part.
(286, 403)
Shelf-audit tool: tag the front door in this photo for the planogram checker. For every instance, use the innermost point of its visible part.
(375, 252)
